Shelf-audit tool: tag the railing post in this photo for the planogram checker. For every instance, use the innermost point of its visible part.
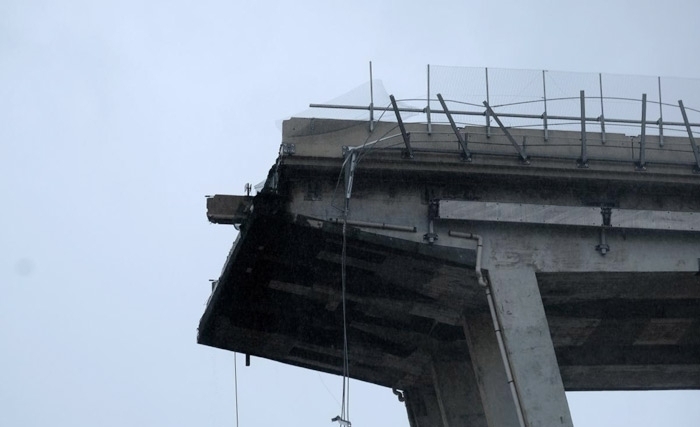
(661, 116)
(602, 113)
(641, 165)
(488, 116)
(371, 99)
(427, 108)
(583, 161)
(544, 116)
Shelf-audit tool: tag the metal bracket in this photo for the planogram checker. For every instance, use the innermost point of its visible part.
(696, 152)
(434, 209)
(603, 246)
(341, 422)
(466, 155)
(433, 213)
(406, 136)
(430, 237)
(521, 150)
(606, 212)
(288, 148)
(350, 173)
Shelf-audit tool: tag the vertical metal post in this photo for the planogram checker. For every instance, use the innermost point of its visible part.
(602, 113)
(488, 117)
(427, 109)
(641, 165)
(544, 116)
(661, 116)
(583, 161)
(371, 99)
(696, 153)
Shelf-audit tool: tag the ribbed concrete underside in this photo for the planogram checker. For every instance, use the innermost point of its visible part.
(280, 294)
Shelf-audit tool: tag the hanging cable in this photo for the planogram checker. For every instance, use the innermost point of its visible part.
(345, 407)
(235, 382)
(348, 169)
(344, 418)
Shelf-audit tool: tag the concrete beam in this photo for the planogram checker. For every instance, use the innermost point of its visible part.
(457, 393)
(529, 347)
(489, 372)
(422, 407)
(583, 216)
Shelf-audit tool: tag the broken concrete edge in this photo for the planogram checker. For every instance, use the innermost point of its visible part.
(264, 215)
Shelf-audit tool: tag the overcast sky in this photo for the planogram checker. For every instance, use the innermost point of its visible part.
(118, 117)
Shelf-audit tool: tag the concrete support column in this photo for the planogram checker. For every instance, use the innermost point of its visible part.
(529, 347)
(489, 372)
(458, 394)
(422, 407)
(453, 400)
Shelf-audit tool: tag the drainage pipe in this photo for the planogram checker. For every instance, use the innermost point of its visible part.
(494, 318)
(479, 246)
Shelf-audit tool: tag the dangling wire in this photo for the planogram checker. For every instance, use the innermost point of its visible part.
(345, 407)
(350, 163)
(235, 381)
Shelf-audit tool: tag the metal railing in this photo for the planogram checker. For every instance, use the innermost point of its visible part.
(526, 110)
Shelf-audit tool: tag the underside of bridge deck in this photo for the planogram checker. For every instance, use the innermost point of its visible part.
(279, 298)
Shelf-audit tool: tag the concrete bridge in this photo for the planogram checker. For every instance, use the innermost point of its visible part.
(486, 272)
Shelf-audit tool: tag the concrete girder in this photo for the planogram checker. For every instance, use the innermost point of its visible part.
(457, 393)
(529, 347)
(494, 389)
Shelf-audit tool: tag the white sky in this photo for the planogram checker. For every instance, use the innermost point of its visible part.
(117, 117)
